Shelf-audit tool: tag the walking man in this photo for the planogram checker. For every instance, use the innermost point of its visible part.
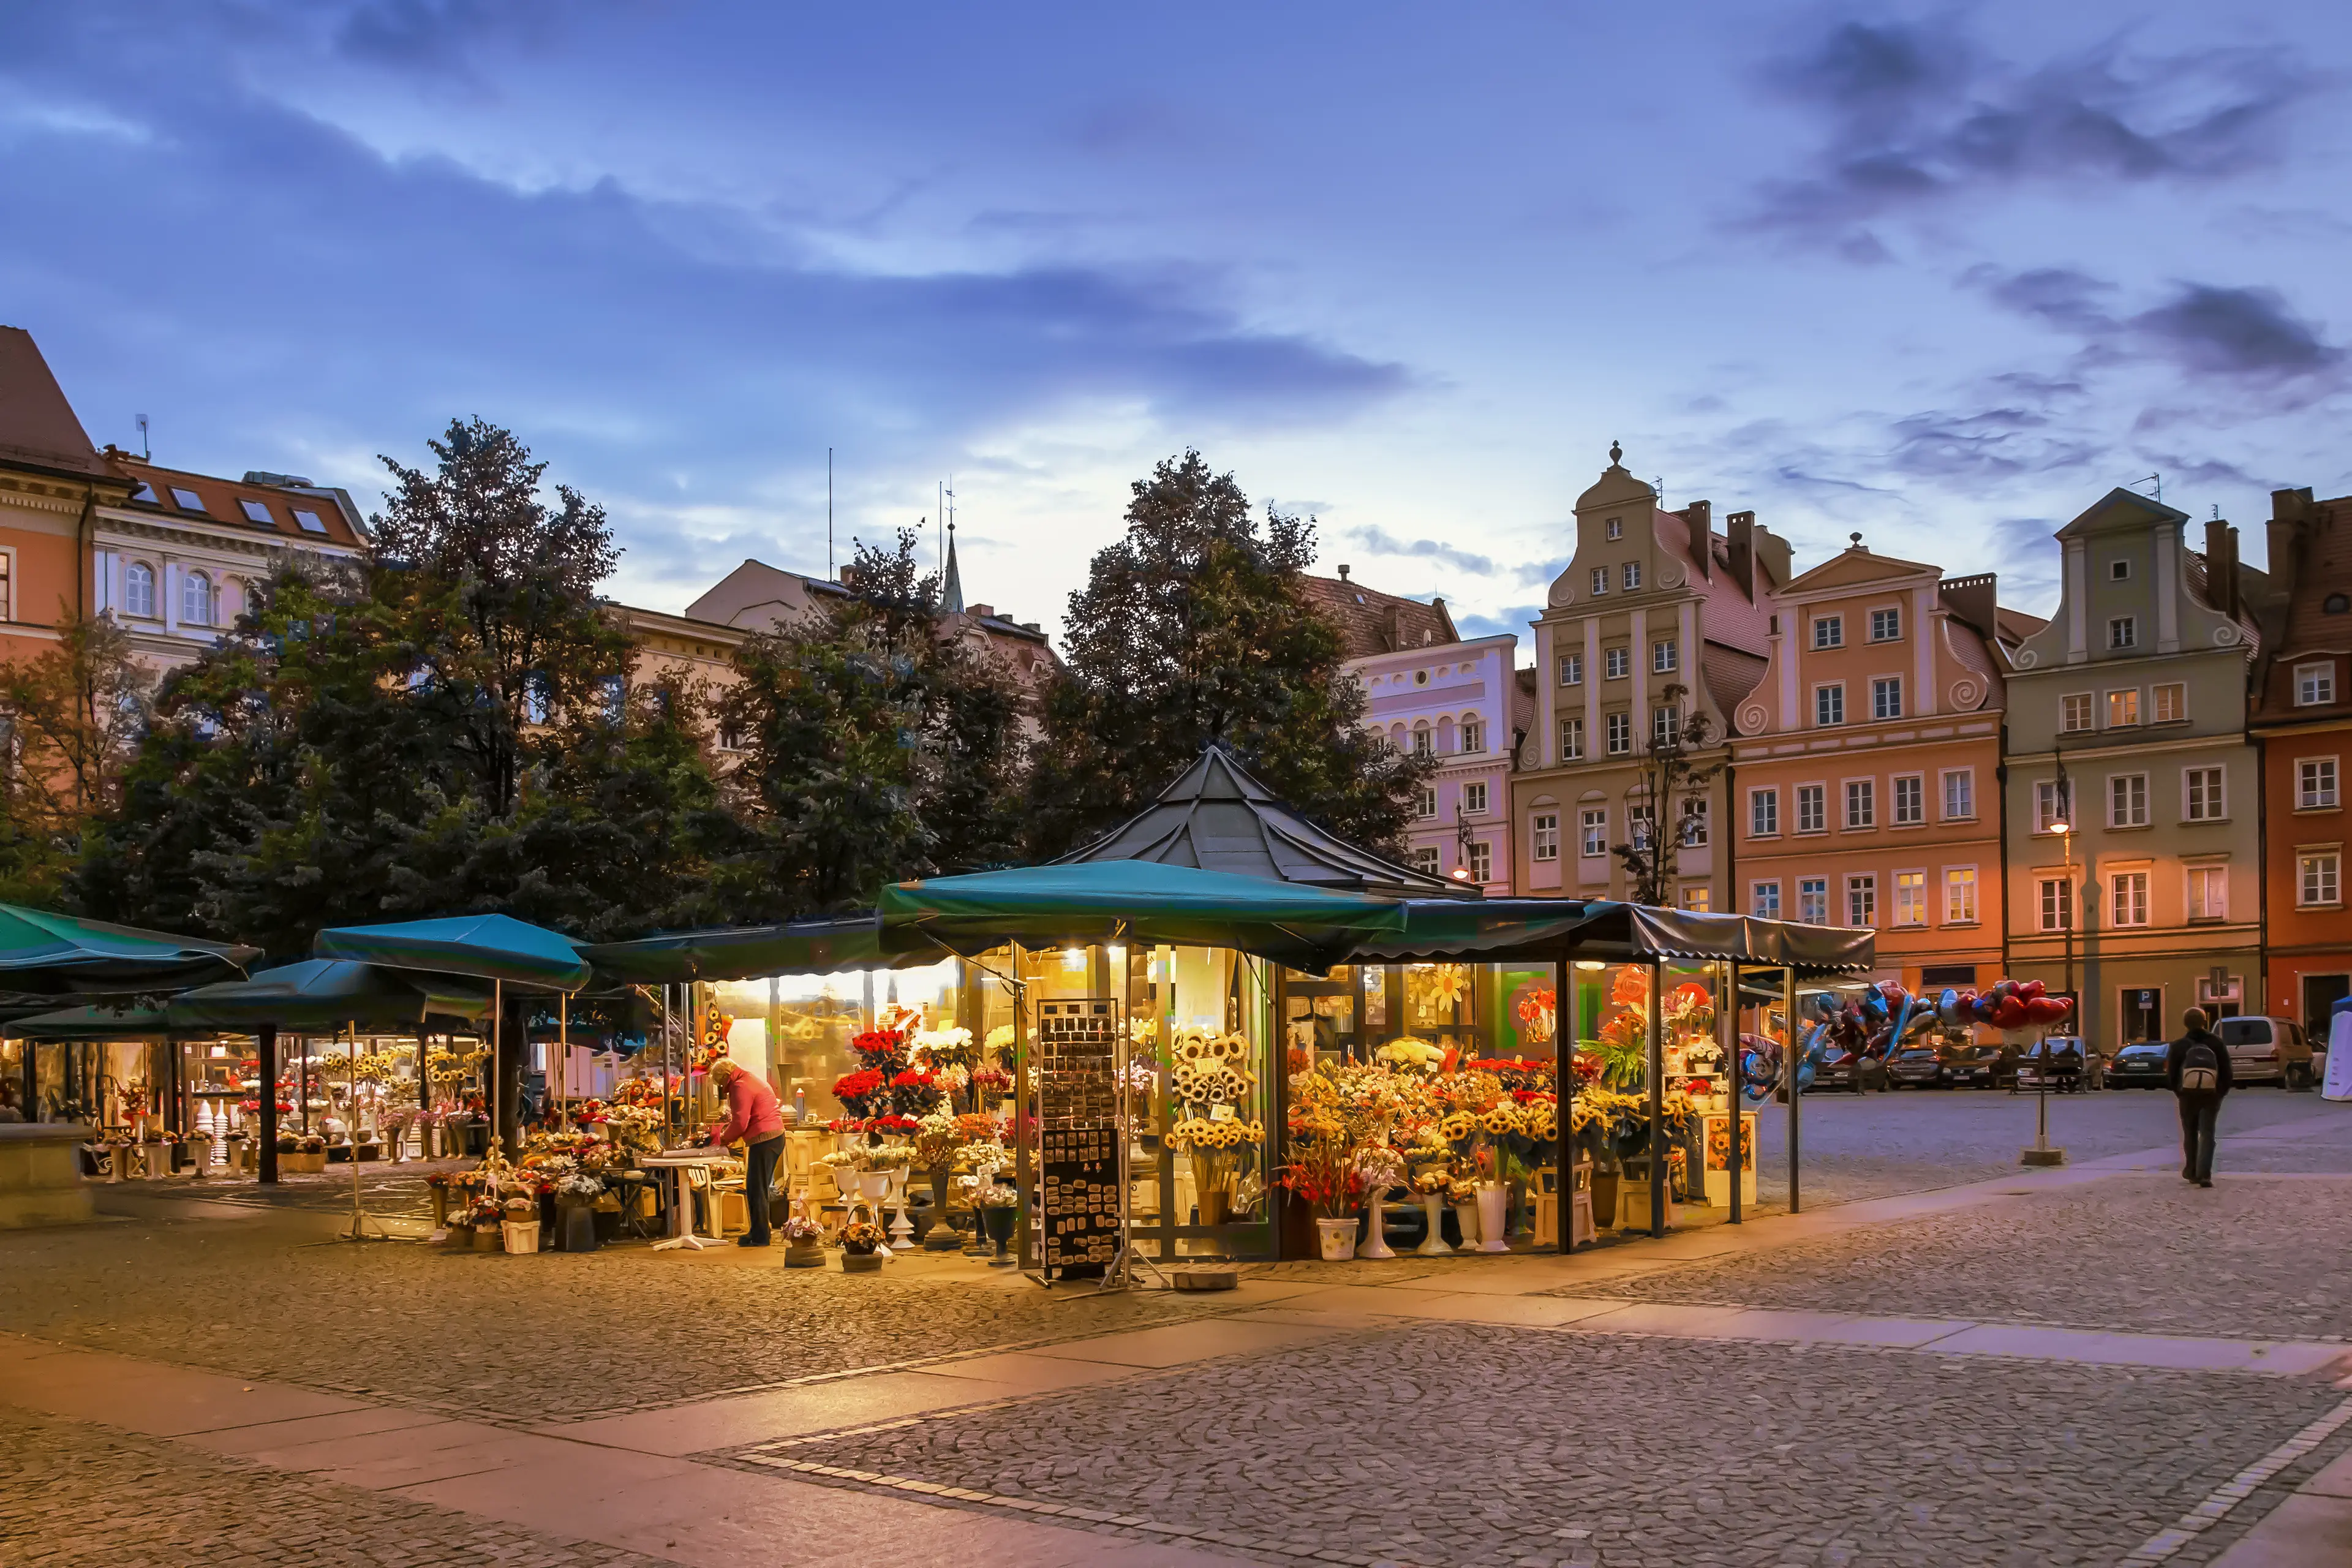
(2197, 1070)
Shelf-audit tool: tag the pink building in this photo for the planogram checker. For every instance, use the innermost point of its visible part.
(1428, 690)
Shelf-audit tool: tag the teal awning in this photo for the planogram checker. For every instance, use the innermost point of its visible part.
(1141, 901)
(1541, 929)
(93, 1023)
(51, 955)
(487, 947)
(320, 996)
(745, 953)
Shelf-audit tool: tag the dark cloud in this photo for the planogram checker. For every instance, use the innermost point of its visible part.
(1382, 542)
(2248, 334)
(1917, 112)
(1993, 443)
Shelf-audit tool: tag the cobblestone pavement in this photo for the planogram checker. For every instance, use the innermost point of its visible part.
(2246, 1259)
(535, 1338)
(1479, 1444)
(78, 1495)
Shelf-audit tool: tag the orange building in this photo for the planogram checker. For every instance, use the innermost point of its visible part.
(1865, 764)
(53, 483)
(2302, 721)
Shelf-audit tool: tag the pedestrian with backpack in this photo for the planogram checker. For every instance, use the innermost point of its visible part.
(2197, 1070)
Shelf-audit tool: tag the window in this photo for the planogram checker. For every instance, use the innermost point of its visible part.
(1601, 579)
(1829, 631)
(2123, 631)
(2315, 783)
(1886, 625)
(145, 491)
(2127, 899)
(2127, 800)
(1959, 795)
(1621, 734)
(1694, 824)
(1665, 656)
(2051, 805)
(1960, 895)
(2202, 800)
(2074, 712)
(2057, 903)
(1861, 803)
(1910, 800)
(1572, 669)
(1665, 724)
(1763, 814)
(1572, 740)
(188, 500)
(2123, 708)
(1813, 809)
(1910, 898)
(2118, 571)
(1421, 677)
(139, 590)
(1764, 901)
(1617, 663)
(1829, 705)
(1886, 697)
(255, 511)
(2171, 704)
(1474, 736)
(1813, 900)
(1593, 832)
(1482, 861)
(730, 738)
(2209, 892)
(1546, 835)
(1638, 822)
(6, 614)
(1473, 799)
(1615, 528)
(2318, 879)
(1862, 900)
(1425, 802)
(2315, 684)
(1422, 746)
(1698, 897)
(1423, 861)
(1631, 575)
(308, 521)
(197, 600)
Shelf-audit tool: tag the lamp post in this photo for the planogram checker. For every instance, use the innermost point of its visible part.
(2042, 1153)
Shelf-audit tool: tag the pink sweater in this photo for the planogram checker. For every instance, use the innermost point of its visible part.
(753, 1113)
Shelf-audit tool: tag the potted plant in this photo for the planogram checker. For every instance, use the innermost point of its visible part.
(518, 1224)
(998, 1206)
(488, 1214)
(803, 1243)
(1324, 1177)
(576, 1193)
(859, 1241)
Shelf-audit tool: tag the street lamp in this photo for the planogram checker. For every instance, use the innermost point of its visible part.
(2042, 1153)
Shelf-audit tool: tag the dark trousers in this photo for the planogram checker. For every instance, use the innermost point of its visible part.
(760, 1175)
(2198, 1114)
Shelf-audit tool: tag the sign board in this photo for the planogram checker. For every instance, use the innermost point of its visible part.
(1080, 1195)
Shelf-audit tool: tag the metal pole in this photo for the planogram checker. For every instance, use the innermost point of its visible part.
(1563, 1046)
(1657, 1075)
(1726, 1022)
(266, 1054)
(499, 1058)
(1789, 1075)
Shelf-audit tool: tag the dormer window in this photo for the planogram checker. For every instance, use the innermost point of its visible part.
(145, 491)
(256, 511)
(188, 500)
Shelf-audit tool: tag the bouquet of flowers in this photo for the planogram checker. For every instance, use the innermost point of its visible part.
(861, 1236)
(799, 1230)
(995, 1196)
(1324, 1175)
(946, 1048)
(991, 1083)
(937, 1139)
(861, 1092)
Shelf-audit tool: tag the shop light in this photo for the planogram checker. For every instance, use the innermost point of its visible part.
(1590, 965)
(1118, 951)
(1074, 960)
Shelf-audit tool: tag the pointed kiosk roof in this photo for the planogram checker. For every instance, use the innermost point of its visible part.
(1216, 817)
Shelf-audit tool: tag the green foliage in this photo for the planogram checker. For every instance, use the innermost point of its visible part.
(70, 722)
(1192, 629)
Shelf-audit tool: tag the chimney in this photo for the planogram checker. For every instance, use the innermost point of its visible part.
(983, 611)
(2290, 514)
(1700, 515)
(2222, 567)
(1343, 573)
(1772, 553)
(1741, 528)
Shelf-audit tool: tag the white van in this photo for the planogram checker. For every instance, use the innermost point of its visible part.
(2268, 1050)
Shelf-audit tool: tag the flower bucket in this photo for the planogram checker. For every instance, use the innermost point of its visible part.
(861, 1263)
(487, 1238)
(578, 1232)
(519, 1235)
(1465, 1219)
(1338, 1237)
(804, 1255)
(1493, 1219)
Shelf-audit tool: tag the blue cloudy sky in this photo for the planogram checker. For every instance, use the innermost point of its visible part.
(1940, 275)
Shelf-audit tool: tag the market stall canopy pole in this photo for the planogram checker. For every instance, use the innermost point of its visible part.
(487, 947)
(45, 954)
(324, 995)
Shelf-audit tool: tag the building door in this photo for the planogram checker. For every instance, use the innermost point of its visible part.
(2141, 1011)
(2320, 992)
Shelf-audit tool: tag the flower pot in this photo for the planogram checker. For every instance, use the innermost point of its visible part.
(487, 1238)
(1433, 1244)
(519, 1235)
(578, 1232)
(1376, 1242)
(1493, 1204)
(861, 1262)
(1338, 1237)
(804, 1255)
(440, 1208)
(999, 1222)
(1465, 1220)
(460, 1238)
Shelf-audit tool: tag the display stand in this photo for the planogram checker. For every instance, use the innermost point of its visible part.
(1082, 1192)
(679, 1164)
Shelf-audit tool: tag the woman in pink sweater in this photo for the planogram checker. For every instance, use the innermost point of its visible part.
(754, 1117)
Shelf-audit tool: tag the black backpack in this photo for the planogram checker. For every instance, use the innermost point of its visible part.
(2201, 1069)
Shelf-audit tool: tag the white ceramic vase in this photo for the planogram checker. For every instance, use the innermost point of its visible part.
(1465, 1219)
(1493, 1219)
(1376, 1242)
(1433, 1209)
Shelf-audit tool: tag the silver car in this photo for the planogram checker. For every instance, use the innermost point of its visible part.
(2268, 1050)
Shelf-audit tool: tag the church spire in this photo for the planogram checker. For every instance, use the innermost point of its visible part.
(951, 588)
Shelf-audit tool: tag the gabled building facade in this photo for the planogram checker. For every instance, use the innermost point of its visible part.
(53, 483)
(2302, 724)
(1429, 691)
(2126, 722)
(1865, 769)
(1657, 619)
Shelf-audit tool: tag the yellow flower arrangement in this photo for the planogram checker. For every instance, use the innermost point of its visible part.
(1200, 1132)
(1499, 1119)
(1457, 1126)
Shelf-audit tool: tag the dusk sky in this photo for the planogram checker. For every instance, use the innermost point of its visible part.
(1942, 276)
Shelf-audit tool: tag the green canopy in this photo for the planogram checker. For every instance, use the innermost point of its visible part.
(743, 952)
(487, 947)
(1502, 930)
(51, 955)
(129, 1022)
(1137, 900)
(320, 996)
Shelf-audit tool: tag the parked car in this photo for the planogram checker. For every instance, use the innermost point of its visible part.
(2268, 1050)
(1918, 1067)
(2064, 1049)
(1842, 1069)
(1981, 1067)
(2139, 1065)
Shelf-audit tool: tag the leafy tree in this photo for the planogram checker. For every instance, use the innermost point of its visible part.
(1191, 629)
(70, 722)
